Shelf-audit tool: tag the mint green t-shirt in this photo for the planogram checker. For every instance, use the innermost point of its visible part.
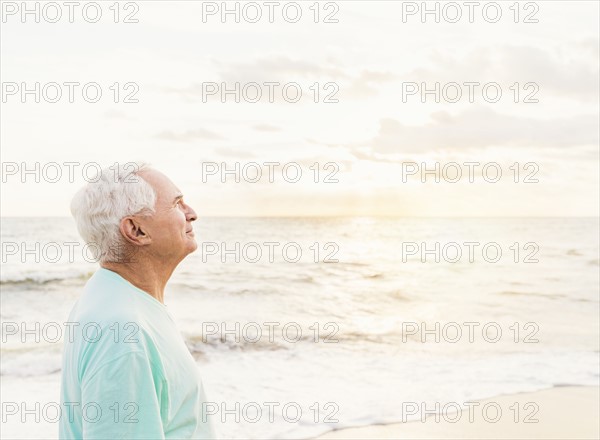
(127, 372)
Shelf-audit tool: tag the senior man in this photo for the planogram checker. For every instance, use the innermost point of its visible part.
(127, 372)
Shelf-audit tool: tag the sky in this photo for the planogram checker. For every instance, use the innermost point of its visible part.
(370, 136)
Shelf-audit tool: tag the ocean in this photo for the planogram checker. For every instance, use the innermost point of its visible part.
(324, 323)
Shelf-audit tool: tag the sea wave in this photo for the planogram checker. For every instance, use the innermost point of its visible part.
(41, 277)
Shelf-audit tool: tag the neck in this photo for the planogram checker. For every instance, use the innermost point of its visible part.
(151, 277)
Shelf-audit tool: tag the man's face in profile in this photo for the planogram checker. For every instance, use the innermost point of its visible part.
(170, 228)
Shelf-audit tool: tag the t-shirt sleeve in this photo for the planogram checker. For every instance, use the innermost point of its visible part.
(122, 399)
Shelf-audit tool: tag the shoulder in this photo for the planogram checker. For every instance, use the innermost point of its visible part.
(107, 303)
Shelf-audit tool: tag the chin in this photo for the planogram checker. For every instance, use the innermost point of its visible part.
(192, 246)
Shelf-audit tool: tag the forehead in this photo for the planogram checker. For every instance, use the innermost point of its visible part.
(165, 189)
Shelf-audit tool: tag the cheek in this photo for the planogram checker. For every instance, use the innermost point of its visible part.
(173, 225)
(180, 221)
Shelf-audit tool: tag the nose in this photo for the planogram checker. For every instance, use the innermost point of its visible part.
(190, 214)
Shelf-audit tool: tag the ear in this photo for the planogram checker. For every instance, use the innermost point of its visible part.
(131, 229)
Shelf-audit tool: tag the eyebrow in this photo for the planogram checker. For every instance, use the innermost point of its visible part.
(177, 198)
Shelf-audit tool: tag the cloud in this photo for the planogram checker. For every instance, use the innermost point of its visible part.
(477, 128)
(116, 114)
(481, 127)
(231, 152)
(266, 127)
(364, 85)
(277, 68)
(282, 69)
(188, 136)
(570, 70)
(590, 45)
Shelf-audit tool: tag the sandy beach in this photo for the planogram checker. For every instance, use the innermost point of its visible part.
(556, 413)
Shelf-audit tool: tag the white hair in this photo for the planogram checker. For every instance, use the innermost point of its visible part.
(98, 207)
